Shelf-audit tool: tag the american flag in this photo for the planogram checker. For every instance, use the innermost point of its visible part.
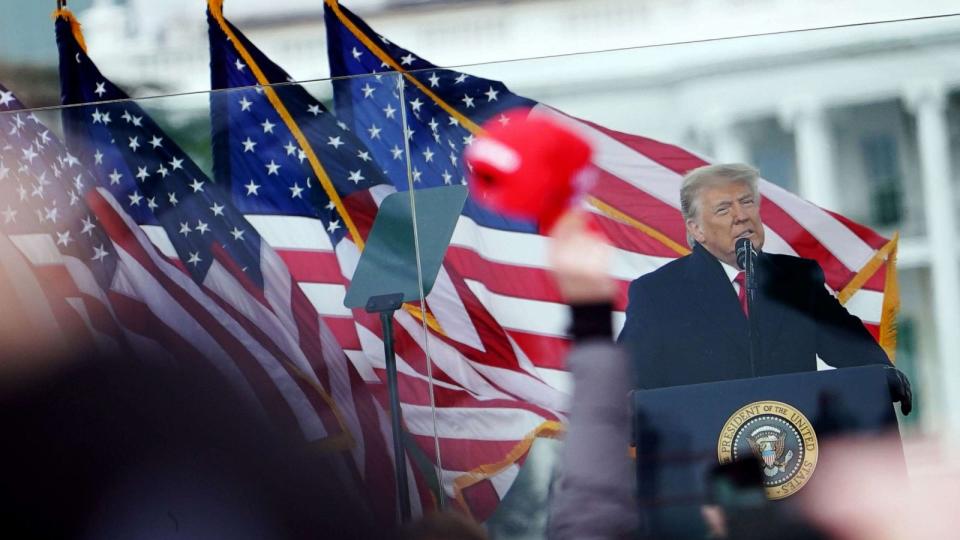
(474, 381)
(43, 213)
(636, 202)
(211, 278)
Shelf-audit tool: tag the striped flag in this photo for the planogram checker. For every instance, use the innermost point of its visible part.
(202, 267)
(312, 187)
(505, 282)
(43, 214)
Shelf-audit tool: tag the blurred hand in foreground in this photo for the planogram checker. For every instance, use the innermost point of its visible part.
(862, 496)
(580, 259)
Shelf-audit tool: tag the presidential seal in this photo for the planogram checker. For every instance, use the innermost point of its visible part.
(780, 437)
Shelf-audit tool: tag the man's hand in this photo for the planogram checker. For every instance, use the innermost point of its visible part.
(580, 260)
(900, 389)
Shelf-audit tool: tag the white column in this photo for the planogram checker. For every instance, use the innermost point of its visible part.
(814, 148)
(928, 102)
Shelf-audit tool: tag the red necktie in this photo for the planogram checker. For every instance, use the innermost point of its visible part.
(741, 280)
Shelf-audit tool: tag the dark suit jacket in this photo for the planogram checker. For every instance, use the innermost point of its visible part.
(684, 323)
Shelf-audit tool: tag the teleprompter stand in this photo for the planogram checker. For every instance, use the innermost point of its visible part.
(388, 274)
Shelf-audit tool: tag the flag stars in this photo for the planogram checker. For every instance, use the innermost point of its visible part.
(252, 188)
(9, 215)
(176, 163)
(374, 131)
(202, 227)
(447, 177)
(453, 158)
(245, 104)
(406, 60)
(467, 101)
(356, 177)
(172, 198)
(29, 154)
(194, 258)
(248, 145)
(156, 141)
(314, 109)
(503, 119)
(134, 143)
(460, 78)
(342, 125)
(334, 141)
(434, 125)
(416, 173)
(142, 173)
(416, 104)
(88, 226)
(99, 254)
(468, 140)
(152, 203)
(491, 94)
(240, 65)
(364, 155)
(217, 209)
(296, 191)
(97, 116)
(63, 239)
(162, 171)
(356, 54)
(389, 110)
(237, 233)
(98, 157)
(115, 177)
(196, 185)
(6, 97)
(267, 126)
(185, 228)
(135, 198)
(290, 148)
(434, 80)
(272, 168)
(333, 226)
(428, 155)
(397, 152)
(367, 91)
(50, 214)
(453, 121)
(100, 89)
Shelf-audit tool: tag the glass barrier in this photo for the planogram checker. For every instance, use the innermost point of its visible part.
(223, 231)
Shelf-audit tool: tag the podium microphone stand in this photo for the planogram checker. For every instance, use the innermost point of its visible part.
(390, 273)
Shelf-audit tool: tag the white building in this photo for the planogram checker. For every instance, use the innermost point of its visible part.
(862, 120)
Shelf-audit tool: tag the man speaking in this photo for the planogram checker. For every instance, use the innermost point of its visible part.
(689, 321)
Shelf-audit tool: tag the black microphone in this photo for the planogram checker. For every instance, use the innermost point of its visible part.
(744, 249)
(746, 259)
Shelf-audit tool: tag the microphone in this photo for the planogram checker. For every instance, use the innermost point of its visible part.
(746, 259)
(744, 250)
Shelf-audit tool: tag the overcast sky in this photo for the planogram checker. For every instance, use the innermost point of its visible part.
(26, 31)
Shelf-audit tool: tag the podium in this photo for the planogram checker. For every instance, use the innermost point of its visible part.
(782, 421)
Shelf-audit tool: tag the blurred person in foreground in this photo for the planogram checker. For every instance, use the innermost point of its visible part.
(98, 446)
(687, 321)
(593, 497)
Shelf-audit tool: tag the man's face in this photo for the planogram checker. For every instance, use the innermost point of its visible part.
(726, 212)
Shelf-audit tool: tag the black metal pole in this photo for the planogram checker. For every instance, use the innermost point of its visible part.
(753, 317)
(399, 459)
